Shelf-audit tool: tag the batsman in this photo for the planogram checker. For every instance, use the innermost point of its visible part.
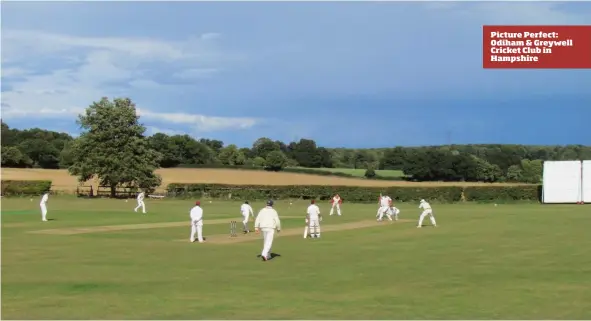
(313, 218)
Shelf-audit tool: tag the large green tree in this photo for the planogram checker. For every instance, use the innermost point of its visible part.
(113, 148)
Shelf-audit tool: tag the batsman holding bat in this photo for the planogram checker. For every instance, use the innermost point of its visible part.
(313, 218)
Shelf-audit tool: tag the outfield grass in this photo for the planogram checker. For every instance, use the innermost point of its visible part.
(359, 172)
(481, 262)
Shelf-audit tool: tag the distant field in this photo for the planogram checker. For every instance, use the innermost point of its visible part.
(361, 172)
(62, 181)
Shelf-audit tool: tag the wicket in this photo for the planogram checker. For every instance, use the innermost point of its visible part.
(233, 229)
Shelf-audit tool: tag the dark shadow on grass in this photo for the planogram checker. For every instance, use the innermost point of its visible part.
(271, 256)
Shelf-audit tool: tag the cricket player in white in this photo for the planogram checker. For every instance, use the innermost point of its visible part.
(43, 205)
(393, 211)
(140, 202)
(385, 204)
(196, 215)
(313, 218)
(246, 211)
(267, 221)
(427, 210)
(336, 202)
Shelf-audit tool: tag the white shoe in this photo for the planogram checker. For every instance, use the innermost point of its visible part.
(419, 226)
(191, 240)
(44, 220)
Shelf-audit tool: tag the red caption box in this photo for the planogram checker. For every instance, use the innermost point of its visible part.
(539, 47)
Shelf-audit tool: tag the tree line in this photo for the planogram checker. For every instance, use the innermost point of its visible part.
(115, 122)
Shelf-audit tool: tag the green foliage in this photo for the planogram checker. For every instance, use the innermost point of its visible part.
(263, 146)
(394, 158)
(258, 162)
(503, 193)
(231, 155)
(275, 161)
(438, 165)
(487, 172)
(486, 163)
(531, 171)
(38, 147)
(13, 157)
(442, 194)
(514, 173)
(18, 188)
(370, 173)
(113, 147)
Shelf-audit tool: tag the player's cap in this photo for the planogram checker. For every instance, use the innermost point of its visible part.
(245, 202)
(422, 201)
(198, 203)
(270, 203)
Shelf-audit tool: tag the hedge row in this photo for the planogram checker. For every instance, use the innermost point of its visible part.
(441, 194)
(13, 188)
(297, 170)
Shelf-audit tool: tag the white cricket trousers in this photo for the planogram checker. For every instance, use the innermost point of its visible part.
(338, 209)
(142, 205)
(381, 211)
(245, 221)
(268, 234)
(43, 212)
(314, 227)
(431, 217)
(196, 228)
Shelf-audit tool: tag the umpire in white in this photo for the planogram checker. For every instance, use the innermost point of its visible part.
(267, 221)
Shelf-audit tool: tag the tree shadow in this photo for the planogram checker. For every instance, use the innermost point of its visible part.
(271, 256)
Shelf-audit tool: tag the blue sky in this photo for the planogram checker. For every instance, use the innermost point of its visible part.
(347, 74)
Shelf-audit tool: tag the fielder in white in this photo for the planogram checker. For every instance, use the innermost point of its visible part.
(196, 215)
(140, 202)
(246, 211)
(385, 204)
(43, 205)
(393, 211)
(336, 201)
(427, 210)
(313, 219)
(267, 221)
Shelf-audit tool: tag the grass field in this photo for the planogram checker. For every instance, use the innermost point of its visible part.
(97, 259)
(62, 181)
(361, 172)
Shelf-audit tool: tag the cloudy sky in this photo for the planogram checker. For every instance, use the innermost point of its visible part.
(345, 74)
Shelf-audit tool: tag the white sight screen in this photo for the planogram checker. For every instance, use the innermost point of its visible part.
(562, 182)
(587, 181)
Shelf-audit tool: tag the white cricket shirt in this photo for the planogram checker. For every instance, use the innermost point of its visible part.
(44, 198)
(245, 209)
(425, 206)
(313, 211)
(267, 218)
(196, 214)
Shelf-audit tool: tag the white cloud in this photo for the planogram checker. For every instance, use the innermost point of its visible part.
(58, 75)
(201, 123)
(151, 130)
(196, 73)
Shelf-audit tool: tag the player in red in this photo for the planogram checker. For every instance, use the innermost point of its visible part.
(336, 201)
